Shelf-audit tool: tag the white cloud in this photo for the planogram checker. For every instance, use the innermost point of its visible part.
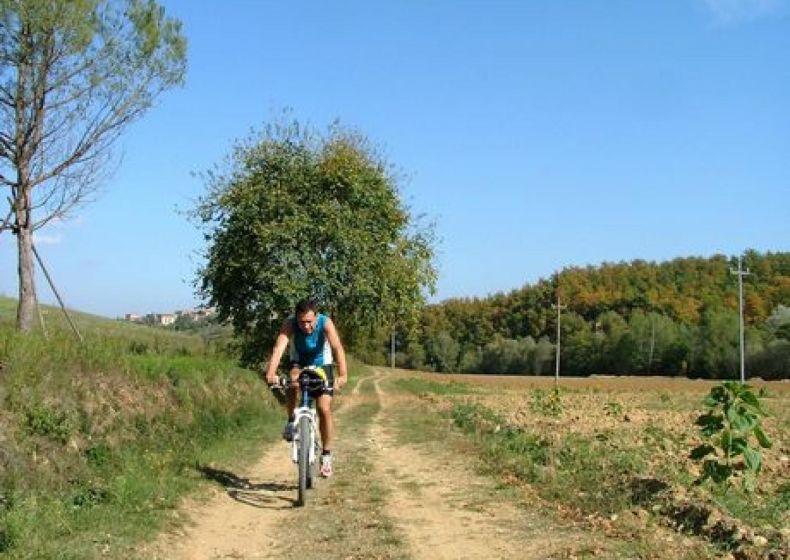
(731, 12)
(39, 239)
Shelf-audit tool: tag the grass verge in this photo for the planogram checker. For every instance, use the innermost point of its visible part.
(100, 441)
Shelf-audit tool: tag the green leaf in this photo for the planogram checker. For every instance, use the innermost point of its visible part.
(752, 459)
(707, 469)
(717, 395)
(711, 423)
(737, 446)
(725, 441)
(738, 420)
(751, 399)
(707, 419)
(701, 451)
(720, 473)
(715, 471)
(763, 440)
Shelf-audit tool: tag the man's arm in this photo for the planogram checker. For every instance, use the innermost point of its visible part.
(280, 344)
(338, 352)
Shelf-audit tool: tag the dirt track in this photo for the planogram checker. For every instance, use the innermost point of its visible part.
(428, 503)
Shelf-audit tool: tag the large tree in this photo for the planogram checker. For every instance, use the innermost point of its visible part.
(73, 75)
(298, 213)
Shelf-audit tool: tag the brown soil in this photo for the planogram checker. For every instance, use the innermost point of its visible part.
(240, 522)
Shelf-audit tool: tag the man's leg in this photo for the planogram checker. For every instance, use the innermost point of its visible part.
(327, 427)
(290, 403)
(326, 421)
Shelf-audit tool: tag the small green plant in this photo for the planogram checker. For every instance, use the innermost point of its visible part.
(138, 347)
(729, 428)
(546, 403)
(45, 420)
(98, 455)
(6, 540)
(613, 409)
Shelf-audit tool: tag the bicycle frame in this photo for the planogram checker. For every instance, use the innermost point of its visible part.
(306, 409)
(304, 445)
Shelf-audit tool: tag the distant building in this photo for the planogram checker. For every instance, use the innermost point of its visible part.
(196, 314)
(166, 319)
(163, 319)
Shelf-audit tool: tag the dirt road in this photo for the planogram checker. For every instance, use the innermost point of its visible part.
(389, 499)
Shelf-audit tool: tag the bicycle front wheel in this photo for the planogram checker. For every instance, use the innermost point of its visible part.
(303, 458)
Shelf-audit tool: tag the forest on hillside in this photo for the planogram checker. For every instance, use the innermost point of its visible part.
(633, 318)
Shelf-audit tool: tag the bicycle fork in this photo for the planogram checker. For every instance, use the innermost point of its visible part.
(310, 415)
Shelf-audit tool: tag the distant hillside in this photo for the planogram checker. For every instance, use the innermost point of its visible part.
(637, 317)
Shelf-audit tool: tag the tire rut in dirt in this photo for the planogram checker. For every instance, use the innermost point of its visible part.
(344, 517)
(448, 511)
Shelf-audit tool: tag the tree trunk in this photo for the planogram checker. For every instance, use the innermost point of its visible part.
(27, 306)
(25, 318)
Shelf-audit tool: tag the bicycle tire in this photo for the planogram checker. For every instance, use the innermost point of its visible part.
(303, 459)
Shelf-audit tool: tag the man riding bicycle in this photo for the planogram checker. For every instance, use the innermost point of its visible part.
(313, 341)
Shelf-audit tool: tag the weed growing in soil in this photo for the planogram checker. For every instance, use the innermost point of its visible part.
(546, 403)
(729, 428)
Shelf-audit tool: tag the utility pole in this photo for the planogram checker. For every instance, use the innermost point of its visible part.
(652, 342)
(741, 273)
(392, 350)
(559, 307)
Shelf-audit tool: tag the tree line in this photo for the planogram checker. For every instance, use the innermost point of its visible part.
(637, 318)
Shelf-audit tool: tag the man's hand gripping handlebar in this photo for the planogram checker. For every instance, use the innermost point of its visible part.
(279, 389)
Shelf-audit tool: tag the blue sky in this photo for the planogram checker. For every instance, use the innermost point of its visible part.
(536, 135)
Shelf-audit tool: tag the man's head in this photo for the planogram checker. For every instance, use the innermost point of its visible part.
(306, 312)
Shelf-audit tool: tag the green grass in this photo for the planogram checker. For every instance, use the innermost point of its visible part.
(102, 439)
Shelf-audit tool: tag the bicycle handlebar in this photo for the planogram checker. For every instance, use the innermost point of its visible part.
(284, 383)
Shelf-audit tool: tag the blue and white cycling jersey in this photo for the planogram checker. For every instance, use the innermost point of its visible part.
(310, 349)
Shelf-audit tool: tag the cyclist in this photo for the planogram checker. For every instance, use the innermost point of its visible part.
(313, 341)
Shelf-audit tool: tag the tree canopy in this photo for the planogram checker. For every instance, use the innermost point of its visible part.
(296, 213)
(671, 318)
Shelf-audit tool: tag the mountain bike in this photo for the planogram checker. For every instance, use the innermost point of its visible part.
(304, 445)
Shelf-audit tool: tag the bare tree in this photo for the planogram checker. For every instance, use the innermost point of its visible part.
(73, 75)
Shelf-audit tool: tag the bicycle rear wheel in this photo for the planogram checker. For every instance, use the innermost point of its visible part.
(303, 459)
